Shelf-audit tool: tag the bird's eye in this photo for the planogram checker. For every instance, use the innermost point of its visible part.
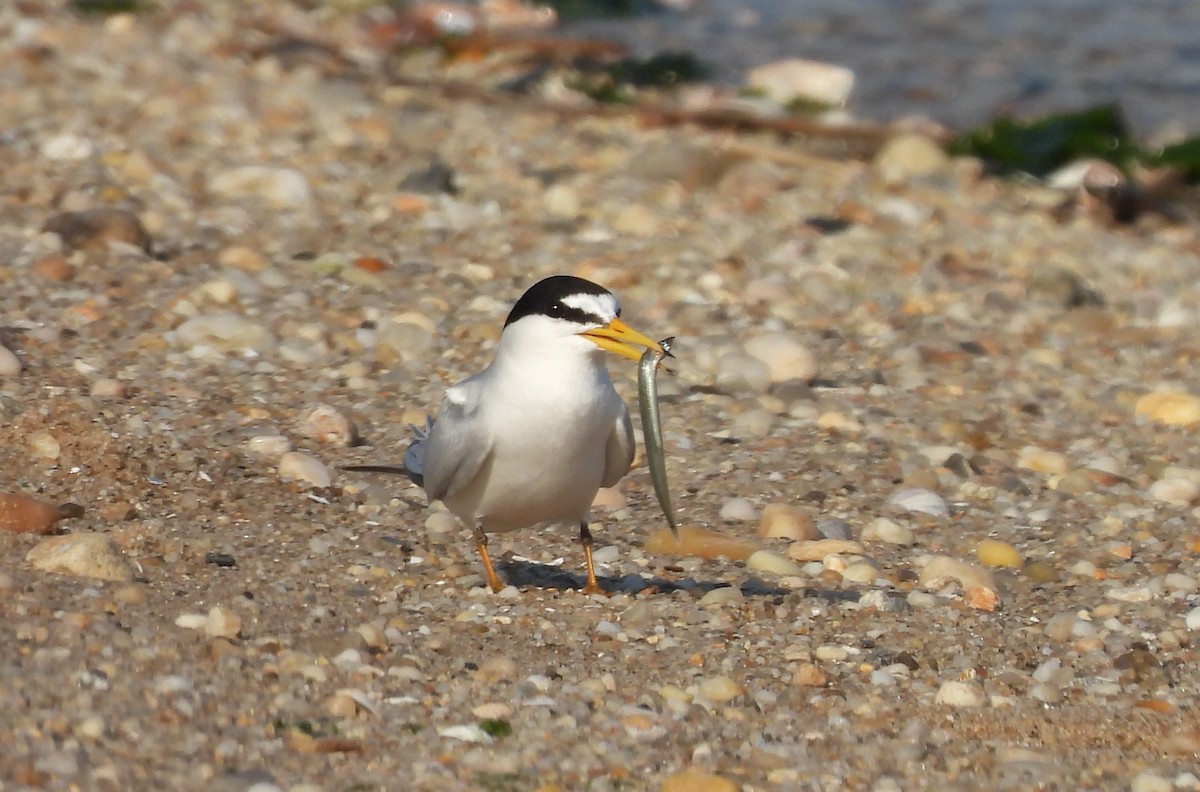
(557, 310)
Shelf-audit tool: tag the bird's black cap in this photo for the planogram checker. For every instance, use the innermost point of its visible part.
(546, 298)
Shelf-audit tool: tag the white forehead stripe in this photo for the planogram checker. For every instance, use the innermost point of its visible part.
(604, 306)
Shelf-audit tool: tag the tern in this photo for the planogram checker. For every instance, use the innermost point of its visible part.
(533, 437)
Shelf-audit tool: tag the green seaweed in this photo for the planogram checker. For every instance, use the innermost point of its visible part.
(1040, 146)
(496, 728)
(663, 70)
(109, 6)
(1183, 156)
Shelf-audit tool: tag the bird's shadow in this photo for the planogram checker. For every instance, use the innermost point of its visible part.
(522, 574)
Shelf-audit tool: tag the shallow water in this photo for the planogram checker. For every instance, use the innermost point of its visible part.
(958, 62)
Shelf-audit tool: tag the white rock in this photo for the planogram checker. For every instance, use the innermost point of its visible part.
(767, 561)
(67, 148)
(268, 445)
(785, 354)
(1042, 461)
(1175, 491)
(561, 200)
(954, 693)
(940, 568)
(222, 332)
(739, 371)
(300, 466)
(44, 445)
(327, 424)
(10, 364)
(1193, 619)
(882, 529)
(738, 509)
(285, 188)
(191, 621)
(722, 596)
(785, 81)
(84, 554)
(441, 522)
(469, 733)
(1148, 781)
(909, 156)
(916, 499)
(222, 622)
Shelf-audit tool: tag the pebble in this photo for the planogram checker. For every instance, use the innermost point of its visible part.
(492, 710)
(738, 372)
(441, 522)
(981, 598)
(863, 572)
(24, 514)
(282, 188)
(1175, 491)
(699, 542)
(637, 221)
(561, 200)
(923, 501)
(768, 561)
(722, 596)
(107, 388)
(836, 421)
(299, 466)
(95, 229)
(809, 675)
(940, 568)
(1040, 460)
(327, 424)
(66, 147)
(994, 553)
(719, 689)
(818, 549)
(268, 445)
(1192, 620)
(786, 356)
(834, 528)
(1149, 781)
(797, 79)
(692, 780)
(242, 258)
(784, 521)
(471, 733)
(954, 693)
(44, 445)
(10, 364)
(609, 498)
(222, 332)
(1170, 407)
(738, 510)
(881, 529)
(222, 622)
(191, 621)
(909, 156)
(91, 555)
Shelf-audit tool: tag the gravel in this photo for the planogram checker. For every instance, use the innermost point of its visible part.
(930, 367)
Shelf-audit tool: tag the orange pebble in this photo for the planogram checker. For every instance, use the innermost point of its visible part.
(23, 514)
(699, 542)
(53, 268)
(370, 264)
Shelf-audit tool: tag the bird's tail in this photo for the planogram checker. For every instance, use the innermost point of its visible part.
(414, 458)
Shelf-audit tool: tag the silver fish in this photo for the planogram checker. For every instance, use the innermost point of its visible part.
(652, 426)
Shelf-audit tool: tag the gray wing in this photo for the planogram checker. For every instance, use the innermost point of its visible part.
(618, 451)
(458, 442)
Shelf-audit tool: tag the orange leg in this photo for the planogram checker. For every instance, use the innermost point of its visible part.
(481, 542)
(585, 539)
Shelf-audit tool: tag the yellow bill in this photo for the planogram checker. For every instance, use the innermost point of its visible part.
(622, 339)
